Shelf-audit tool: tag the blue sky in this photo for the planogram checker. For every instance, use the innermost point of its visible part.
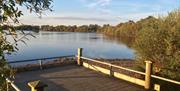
(80, 12)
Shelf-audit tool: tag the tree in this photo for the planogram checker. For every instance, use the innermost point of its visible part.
(9, 15)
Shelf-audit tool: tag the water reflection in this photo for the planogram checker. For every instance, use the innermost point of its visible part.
(47, 44)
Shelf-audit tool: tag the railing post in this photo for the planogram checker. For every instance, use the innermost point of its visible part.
(111, 71)
(79, 54)
(40, 64)
(148, 75)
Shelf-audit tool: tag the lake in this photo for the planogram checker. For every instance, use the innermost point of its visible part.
(51, 44)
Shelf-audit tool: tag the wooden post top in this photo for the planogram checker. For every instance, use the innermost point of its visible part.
(37, 84)
(148, 62)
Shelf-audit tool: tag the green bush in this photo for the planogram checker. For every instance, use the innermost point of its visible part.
(160, 44)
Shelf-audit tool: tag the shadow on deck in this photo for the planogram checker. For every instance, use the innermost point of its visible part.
(74, 78)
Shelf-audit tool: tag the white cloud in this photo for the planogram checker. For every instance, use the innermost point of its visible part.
(103, 12)
(98, 5)
(68, 20)
(75, 18)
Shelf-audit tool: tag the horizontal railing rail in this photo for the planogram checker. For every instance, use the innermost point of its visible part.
(46, 58)
(109, 71)
(41, 62)
(12, 85)
(116, 66)
(127, 69)
(165, 79)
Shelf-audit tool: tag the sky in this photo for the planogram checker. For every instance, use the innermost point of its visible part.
(85, 12)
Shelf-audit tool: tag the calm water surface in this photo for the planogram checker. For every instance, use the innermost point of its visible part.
(50, 44)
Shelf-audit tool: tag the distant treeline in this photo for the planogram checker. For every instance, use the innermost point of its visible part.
(63, 28)
(23, 27)
(28, 28)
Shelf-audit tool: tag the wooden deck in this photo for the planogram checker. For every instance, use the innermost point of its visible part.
(74, 78)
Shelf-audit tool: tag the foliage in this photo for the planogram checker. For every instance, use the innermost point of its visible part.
(160, 43)
(9, 14)
(27, 28)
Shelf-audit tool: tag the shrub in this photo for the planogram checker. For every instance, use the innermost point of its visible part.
(161, 45)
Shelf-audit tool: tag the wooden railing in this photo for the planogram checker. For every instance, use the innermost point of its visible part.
(46, 58)
(40, 61)
(113, 73)
(165, 79)
(148, 76)
(11, 83)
